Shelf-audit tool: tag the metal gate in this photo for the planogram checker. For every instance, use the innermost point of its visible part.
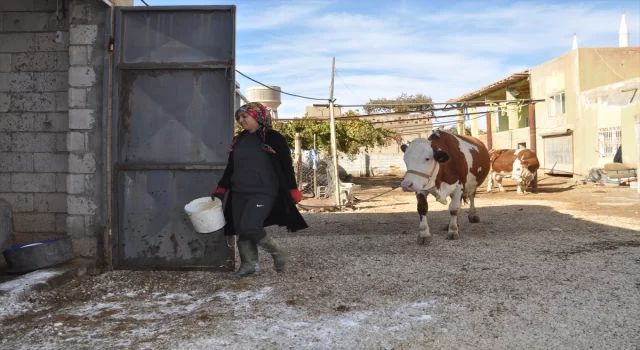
(173, 99)
(558, 154)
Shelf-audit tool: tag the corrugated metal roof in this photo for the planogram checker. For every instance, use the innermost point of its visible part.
(514, 78)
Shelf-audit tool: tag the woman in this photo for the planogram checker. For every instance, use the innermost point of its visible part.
(261, 187)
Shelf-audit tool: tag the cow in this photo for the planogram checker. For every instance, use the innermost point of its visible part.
(522, 164)
(445, 165)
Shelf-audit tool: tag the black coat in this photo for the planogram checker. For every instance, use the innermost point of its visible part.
(284, 212)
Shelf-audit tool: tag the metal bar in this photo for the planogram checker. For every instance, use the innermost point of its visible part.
(635, 90)
(176, 66)
(378, 115)
(180, 8)
(107, 131)
(116, 253)
(242, 97)
(489, 131)
(485, 102)
(165, 166)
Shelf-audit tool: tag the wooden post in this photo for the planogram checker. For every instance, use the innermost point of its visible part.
(315, 169)
(298, 159)
(638, 147)
(532, 141)
(332, 127)
(461, 130)
(489, 131)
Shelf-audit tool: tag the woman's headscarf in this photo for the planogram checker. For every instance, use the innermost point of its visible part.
(262, 116)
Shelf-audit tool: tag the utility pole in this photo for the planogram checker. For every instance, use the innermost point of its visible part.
(332, 126)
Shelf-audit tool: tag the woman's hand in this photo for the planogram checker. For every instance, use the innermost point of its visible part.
(296, 195)
(218, 193)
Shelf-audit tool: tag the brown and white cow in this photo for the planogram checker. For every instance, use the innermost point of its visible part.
(445, 165)
(522, 164)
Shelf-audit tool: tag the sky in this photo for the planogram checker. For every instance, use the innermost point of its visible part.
(383, 48)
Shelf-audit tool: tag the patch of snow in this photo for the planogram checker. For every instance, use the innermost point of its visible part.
(290, 326)
(21, 283)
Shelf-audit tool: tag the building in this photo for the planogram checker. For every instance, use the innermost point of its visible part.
(590, 101)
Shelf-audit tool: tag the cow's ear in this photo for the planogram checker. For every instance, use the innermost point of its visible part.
(440, 156)
(403, 147)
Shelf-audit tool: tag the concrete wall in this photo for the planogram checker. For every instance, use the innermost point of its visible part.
(607, 65)
(578, 73)
(558, 75)
(51, 138)
(561, 74)
(33, 118)
(86, 200)
(607, 106)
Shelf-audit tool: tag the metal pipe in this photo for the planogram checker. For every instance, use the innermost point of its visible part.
(489, 131)
(377, 115)
(485, 102)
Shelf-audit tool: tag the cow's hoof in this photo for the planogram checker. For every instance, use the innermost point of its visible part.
(474, 219)
(424, 240)
(453, 235)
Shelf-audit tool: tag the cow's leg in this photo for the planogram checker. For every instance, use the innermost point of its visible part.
(473, 217)
(490, 183)
(424, 236)
(520, 187)
(499, 181)
(454, 209)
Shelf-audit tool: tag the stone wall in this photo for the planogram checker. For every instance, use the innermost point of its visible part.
(33, 117)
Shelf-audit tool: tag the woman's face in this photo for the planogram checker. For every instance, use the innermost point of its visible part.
(247, 122)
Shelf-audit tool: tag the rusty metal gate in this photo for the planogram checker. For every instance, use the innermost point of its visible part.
(173, 98)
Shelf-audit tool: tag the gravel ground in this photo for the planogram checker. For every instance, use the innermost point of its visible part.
(555, 269)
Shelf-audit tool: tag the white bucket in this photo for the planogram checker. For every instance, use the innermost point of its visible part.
(205, 214)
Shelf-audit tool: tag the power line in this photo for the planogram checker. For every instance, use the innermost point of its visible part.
(144, 2)
(286, 93)
(345, 85)
(410, 77)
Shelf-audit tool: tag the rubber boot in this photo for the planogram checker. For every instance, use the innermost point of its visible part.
(278, 254)
(248, 259)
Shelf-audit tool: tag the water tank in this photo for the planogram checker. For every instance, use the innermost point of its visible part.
(268, 97)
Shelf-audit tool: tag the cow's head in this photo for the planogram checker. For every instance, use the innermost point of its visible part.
(423, 163)
(521, 172)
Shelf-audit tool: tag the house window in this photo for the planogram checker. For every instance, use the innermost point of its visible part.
(522, 145)
(609, 139)
(556, 104)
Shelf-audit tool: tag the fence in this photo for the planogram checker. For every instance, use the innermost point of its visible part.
(314, 175)
(314, 172)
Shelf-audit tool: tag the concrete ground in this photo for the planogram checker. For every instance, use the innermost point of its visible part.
(556, 269)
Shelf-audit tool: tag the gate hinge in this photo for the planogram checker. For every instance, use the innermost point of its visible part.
(110, 45)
